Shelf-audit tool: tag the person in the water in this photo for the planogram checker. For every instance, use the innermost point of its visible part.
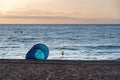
(62, 53)
(19, 32)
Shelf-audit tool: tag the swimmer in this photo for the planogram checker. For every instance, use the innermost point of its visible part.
(62, 53)
(15, 31)
(21, 31)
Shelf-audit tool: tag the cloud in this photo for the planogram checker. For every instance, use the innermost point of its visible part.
(39, 16)
(61, 19)
(29, 12)
(35, 17)
(36, 14)
(26, 13)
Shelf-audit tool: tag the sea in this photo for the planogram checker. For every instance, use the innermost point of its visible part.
(77, 41)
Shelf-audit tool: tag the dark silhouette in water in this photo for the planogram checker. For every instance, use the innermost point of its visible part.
(15, 31)
(21, 31)
(18, 32)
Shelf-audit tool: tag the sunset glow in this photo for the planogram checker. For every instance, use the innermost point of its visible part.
(59, 11)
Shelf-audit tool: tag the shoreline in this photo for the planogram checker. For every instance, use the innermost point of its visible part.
(15, 69)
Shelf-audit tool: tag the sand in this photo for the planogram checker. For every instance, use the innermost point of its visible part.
(58, 70)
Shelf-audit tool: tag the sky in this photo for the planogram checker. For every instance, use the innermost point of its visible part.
(59, 11)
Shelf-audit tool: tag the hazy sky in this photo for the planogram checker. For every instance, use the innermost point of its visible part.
(60, 11)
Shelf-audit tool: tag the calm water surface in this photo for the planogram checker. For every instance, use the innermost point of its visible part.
(79, 42)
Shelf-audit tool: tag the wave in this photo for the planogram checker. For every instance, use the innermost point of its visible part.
(10, 47)
(118, 59)
(14, 39)
(66, 48)
(102, 47)
(107, 53)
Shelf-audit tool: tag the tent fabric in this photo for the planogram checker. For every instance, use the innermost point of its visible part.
(38, 51)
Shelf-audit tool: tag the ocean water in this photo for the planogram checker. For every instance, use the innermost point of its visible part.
(78, 41)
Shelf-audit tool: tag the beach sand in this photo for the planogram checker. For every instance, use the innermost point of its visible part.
(58, 70)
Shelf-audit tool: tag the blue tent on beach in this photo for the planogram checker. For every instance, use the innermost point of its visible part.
(38, 51)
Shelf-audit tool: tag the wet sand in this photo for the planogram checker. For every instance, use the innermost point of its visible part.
(59, 70)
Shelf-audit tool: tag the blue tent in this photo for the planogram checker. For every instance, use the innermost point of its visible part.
(38, 51)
